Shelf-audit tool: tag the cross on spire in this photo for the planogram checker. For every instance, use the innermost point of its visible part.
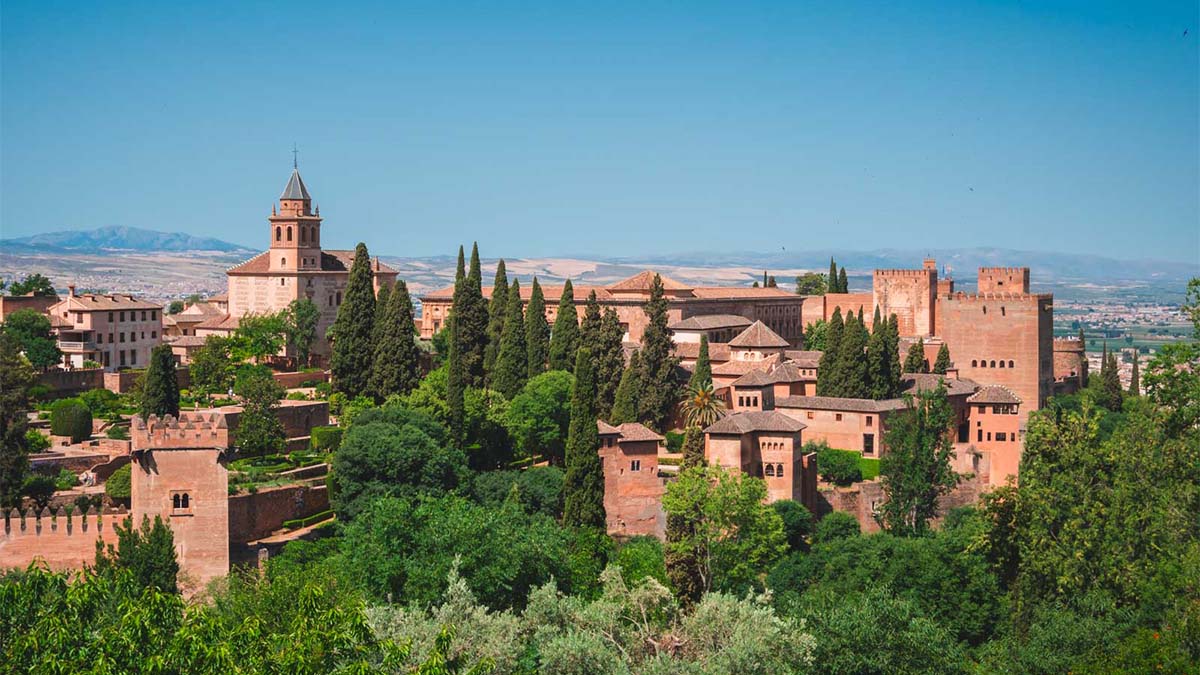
(295, 155)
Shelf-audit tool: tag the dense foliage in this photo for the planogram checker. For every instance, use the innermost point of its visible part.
(160, 393)
(353, 352)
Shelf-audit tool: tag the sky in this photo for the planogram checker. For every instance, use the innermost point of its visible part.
(613, 128)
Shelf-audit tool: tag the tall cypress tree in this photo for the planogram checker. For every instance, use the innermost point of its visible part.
(589, 328)
(353, 352)
(471, 324)
(893, 353)
(851, 360)
(693, 448)
(683, 565)
(659, 389)
(878, 368)
(537, 331)
(609, 360)
(583, 487)
(702, 372)
(1110, 381)
(843, 284)
(832, 283)
(625, 404)
(828, 383)
(455, 372)
(564, 339)
(512, 364)
(942, 364)
(160, 395)
(497, 310)
(397, 368)
(16, 377)
(1135, 384)
(914, 361)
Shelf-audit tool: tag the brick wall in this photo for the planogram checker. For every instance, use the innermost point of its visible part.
(254, 516)
(62, 543)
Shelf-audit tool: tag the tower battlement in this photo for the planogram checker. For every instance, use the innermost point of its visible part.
(1001, 279)
(992, 297)
(188, 431)
(915, 274)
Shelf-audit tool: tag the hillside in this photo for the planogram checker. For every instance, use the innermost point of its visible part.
(115, 238)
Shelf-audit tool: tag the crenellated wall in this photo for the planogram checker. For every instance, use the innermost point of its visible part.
(909, 294)
(62, 542)
(1003, 280)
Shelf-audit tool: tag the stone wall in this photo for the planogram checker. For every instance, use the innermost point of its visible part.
(293, 380)
(254, 516)
(863, 499)
(122, 381)
(64, 383)
(61, 542)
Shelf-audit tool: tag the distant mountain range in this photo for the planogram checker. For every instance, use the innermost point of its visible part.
(116, 239)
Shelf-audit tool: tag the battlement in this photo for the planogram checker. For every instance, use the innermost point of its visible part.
(34, 524)
(191, 430)
(1002, 279)
(1004, 270)
(1068, 344)
(993, 297)
(915, 274)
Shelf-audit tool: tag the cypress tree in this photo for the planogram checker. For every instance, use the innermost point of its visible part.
(350, 363)
(16, 376)
(683, 565)
(564, 339)
(471, 325)
(455, 375)
(589, 328)
(625, 405)
(942, 364)
(828, 383)
(693, 448)
(851, 361)
(497, 310)
(583, 487)
(381, 302)
(609, 360)
(512, 364)
(842, 283)
(832, 283)
(397, 368)
(893, 354)
(659, 389)
(1135, 388)
(702, 373)
(914, 361)
(537, 332)
(878, 368)
(1110, 380)
(160, 395)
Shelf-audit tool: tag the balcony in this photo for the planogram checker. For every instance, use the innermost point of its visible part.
(77, 347)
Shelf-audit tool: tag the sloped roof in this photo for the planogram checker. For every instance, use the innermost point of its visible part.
(717, 351)
(736, 367)
(711, 322)
(788, 372)
(912, 383)
(754, 378)
(865, 405)
(295, 187)
(95, 302)
(804, 358)
(629, 431)
(995, 393)
(225, 322)
(644, 279)
(758, 335)
(719, 292)
(755, 420)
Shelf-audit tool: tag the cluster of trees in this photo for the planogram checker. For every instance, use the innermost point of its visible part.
(30, 329)
(836, 281)
(858, 364)
(36, 284)
(815, 283)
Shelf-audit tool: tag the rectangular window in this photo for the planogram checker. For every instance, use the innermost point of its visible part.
(110, 317)
(838, 417)
(106, 360)
(122, 316)
(122, 357)
(153, 335)
(989, 435)
(635, 465)
(809, 414)
(122, 335)
(154, 315)
(110, 338)
(133, 357)
(980, 439)
(1001, 436)
(870, 419)
(99, 338)
(143, 315)
(868, 444)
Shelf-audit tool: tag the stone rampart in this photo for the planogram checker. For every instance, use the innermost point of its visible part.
(254, 516)
(62, 542)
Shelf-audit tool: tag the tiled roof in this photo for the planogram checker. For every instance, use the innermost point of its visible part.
(295, 187)
(758, 335)
(331, 261)
(754, 378)
(840, 404)
(225, 322)
(995, 393)
(629, 431)
(95, 302)
(718, 292)
(607, 429)
(736, 367)
(912, 383)
(789, 372)
(804, 358)
(755, 420)
(717, 351)
(186, 340)
(711, 322)
(644, 279)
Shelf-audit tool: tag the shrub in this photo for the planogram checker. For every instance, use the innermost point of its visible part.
(538, 489)
(674, 441)
(39, 392)
(100, 401)
(85, 502)
(70, 417)
(297, 523)
(36, 441)
(642, 557)
(797, 523)
(39, 487)
(326, 439)
(297, 396)
(117, 485)
(89, 364)
(838, 466)
(65, 480)
(117, 433)
(323, 389)
(836, 525)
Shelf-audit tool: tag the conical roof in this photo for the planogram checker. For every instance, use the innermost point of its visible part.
(758, 335)
(295, 188)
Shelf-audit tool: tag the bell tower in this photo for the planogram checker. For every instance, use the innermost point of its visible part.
(295, 229)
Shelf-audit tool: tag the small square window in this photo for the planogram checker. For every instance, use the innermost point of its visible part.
(635, 465)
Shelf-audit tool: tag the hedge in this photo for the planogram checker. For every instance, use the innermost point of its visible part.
(838, 466)
(305, 522)
(326, 439)
(70, 417)
(117, 485)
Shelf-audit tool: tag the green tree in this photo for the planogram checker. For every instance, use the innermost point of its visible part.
(815, 335)
(915, 473)
(702, 407)
(609, 360)
(212, 368)
(834, 526)
(843, 284)
(829, 382)
(537, 331)
(512, 365)
(584, 487)
(260, 335)
(693, 447)
(833, 277)
(810, 283)
(539, 489)
(259, 431)
(589, 327)
(35, 284)
(539, 417)
(31, 330)
(564, 339)
(797, 523)
(353, 352)
(148, 553)
(393, 451)
(702, 372)
(914, 361)
(878, 362)
(70, 417)
(175, 307)
(497, 310)
(893, 353)
(15, 380)
(942, 364)
(301, 320)
(851, 365)
(731, 533)
(625, 403)
(1111, 395)
(397, 359)
(1135, 386)
(118, 486)
(160, 395)
(659, 388)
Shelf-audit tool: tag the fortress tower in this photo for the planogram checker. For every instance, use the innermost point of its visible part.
(180, 474)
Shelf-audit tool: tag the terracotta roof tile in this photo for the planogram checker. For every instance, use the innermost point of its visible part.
(711, 322)
(804, 358)
(717, 351)
(754, 378)
(751, 421)
(995, 393)
(842, 404)
(96, 302)
(758, 335)
(644, 279)
(735, 367)
(632, 431)
(716, 292)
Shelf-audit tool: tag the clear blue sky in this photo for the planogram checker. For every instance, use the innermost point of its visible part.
(612, 128)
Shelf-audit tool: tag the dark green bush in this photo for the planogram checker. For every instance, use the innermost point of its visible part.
(100, 401)
(65, 480)
(117, 433)
(297, 523)
(117, 485)
(836, 525)
(538, 489)
(674, 441)
(838, 466)
(70, 417)
(39, 487)
(326, 439)
(797, 523)
(36, 441)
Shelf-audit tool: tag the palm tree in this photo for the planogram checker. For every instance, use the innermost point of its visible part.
(702, 407)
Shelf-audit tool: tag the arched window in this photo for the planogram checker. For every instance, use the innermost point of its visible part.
(278, 233)
(770, 471)
(974, 363)
(185, 501)
(985, 309)
(176, 500)
(289, 232)
(993, 364)
(303, 234)
(1001, 363)
(1010, 364)
(779, 470)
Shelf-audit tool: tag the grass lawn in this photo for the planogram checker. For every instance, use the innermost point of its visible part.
(869, 467)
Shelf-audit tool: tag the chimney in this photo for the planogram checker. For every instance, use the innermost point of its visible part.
(71, 290)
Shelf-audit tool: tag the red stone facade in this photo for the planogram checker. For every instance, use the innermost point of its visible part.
(633, 489)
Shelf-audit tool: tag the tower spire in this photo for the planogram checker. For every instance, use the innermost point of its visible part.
(295, 157)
